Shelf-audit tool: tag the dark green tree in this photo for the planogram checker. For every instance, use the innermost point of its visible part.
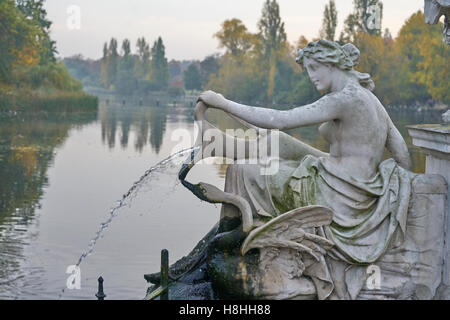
(27, 57)
(34, 11)
(273, 39)
(126, 50)
(113, 61)
(271, 28)
(329, 21)
(159, 71)
(104, 65)
(143, 48)
(192, 78)
(126, 80)
(143, 52)
(17, 39)
(209, 66)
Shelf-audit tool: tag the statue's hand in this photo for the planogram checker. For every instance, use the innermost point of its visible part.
(213, 100)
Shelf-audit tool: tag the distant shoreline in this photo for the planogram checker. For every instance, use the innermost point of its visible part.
(25, 100)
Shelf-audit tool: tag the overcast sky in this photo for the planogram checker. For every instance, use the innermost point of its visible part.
(187, 26)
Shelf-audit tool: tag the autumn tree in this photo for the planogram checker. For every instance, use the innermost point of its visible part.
(18, 41)
(33, 10)
(244, 82)
(27, 58)
(423, 70)
(434, 70)
(273, 37)
(301, 42)
(410, 69)
(234, 37)
(377, 60)
(265, 73)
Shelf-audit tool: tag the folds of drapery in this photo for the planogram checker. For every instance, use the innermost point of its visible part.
(368, 214)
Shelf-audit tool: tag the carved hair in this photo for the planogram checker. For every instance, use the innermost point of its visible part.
(344, 57)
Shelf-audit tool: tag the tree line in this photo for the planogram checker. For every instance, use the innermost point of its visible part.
(147, 70)
(260, 68)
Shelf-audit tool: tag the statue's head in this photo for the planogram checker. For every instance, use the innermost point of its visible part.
(323, 58)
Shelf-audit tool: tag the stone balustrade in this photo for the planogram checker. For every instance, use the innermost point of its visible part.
(434, 141)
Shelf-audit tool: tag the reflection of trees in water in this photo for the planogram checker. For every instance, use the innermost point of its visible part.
(111, 134)
(142, 125)
(27, 145)
(147, 124)
(108, 127)
(26, 150)
(125, 126)
(158, 127)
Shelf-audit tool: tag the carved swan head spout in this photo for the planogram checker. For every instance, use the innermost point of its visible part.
(328, 63)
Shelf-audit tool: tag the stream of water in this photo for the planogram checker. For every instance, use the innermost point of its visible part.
(173, 160)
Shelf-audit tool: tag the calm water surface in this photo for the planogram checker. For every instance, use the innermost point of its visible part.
(62, 173)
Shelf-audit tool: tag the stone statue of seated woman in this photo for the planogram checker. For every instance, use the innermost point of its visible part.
(340, 225)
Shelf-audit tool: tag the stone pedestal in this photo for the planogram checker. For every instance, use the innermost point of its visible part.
(434, 141)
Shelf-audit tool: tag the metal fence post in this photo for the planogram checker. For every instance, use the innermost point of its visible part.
(165, 274)
(100, 294)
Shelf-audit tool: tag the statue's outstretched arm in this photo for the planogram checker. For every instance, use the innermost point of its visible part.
(325, 109)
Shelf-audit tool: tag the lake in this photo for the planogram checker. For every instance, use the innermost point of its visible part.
(62, 173)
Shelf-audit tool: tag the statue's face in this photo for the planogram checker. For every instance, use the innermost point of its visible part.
(320, 74)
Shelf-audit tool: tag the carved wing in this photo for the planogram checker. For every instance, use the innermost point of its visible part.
(288, 231)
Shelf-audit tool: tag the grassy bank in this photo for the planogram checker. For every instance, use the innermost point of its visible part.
(36, 101)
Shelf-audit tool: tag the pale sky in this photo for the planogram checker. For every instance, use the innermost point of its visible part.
(187, 26)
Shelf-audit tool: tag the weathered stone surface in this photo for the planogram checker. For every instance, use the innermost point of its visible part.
(434, 140)
(316, 227)
(433, 10)
(411, 271)
(446, 116)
